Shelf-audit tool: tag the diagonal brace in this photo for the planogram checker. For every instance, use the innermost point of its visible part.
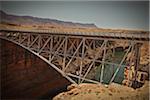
(119, 66)
(93, 61)
(44, 45)
(73, 55)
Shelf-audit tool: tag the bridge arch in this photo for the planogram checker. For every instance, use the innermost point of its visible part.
(45, 60)
(82, 51)
(9, 91)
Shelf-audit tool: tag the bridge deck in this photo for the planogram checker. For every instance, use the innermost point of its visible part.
(136, 35)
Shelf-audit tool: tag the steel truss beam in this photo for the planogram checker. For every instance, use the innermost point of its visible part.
(70, 52)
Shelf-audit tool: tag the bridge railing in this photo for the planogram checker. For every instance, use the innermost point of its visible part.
(127, 35)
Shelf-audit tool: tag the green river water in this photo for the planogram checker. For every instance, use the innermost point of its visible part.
(110, 69)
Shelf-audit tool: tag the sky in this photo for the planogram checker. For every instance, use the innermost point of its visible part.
(104, 14)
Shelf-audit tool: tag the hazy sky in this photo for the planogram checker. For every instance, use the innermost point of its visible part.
(110, 14)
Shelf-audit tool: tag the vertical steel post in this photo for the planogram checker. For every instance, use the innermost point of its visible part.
(20, 38)
(137, 60)
(130, 63)
(28, 42)
(81, 64)
(65, 50)
(102, 67)
(77, 43)
(113, 51)
(94, 44)
(51, 46)
(39, 43)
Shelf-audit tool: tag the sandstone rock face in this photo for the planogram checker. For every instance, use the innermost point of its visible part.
(145, 55)
(24, 75)
(101, 92)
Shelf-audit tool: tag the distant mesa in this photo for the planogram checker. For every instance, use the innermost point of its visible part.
(39, 22)
(8, 21)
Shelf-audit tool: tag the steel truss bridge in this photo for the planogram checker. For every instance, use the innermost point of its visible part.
(75, 54)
